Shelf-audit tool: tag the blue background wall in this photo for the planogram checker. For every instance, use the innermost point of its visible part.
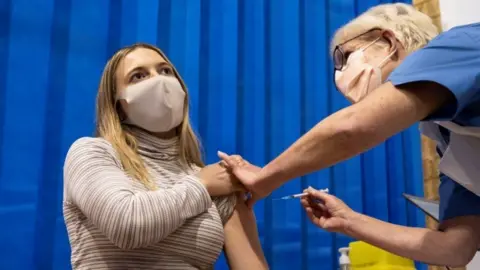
(259, 75)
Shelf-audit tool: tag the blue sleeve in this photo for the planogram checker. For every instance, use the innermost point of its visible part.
(456, 201)
(452, 60)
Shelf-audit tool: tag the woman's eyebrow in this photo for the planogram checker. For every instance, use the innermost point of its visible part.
(133, 70)
(164, 64)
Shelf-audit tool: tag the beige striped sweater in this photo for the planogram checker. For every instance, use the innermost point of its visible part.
(113, 222)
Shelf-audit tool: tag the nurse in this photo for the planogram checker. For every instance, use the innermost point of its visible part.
(438, 85)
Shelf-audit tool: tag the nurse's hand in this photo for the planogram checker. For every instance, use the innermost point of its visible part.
(219, 181)
(248, 174)
(327, 211)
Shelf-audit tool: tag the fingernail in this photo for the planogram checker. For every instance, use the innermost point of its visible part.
(220, 153)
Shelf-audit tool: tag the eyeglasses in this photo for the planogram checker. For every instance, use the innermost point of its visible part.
(339, 58)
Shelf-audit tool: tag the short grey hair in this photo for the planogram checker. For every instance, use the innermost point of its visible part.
(411, 27)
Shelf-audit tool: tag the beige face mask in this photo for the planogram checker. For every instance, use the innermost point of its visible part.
(359, 78)
(155, 104)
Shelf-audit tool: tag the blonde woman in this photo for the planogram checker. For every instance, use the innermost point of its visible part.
(137, 196)
(381, 67)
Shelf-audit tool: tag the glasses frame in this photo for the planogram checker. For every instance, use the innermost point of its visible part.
(339, 60)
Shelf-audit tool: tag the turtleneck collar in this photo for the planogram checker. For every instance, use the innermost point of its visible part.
(151, 146)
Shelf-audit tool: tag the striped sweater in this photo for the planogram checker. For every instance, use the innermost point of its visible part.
(114, 222)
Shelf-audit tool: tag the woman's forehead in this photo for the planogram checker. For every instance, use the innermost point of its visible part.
(140, 57)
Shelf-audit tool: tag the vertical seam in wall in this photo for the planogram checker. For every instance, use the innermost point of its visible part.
(240, 74)
(51, 176)
(204, 66)
(268, 203)
(303, 128)
(5, 18)
(164, 19)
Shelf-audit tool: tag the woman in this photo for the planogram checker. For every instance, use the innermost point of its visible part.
(138, 196)
(439, 85)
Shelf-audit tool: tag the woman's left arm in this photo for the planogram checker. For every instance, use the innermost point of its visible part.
(242, 245)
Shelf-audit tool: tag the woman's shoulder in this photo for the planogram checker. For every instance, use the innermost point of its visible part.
(91, 143)
(86, 146)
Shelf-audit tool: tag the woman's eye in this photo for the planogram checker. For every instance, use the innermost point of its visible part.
(136, 77)
(166, 71)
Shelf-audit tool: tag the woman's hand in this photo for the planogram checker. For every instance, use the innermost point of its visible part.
(218, 180)
(327, 211)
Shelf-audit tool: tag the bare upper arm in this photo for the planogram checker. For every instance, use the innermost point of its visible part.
(242, 244)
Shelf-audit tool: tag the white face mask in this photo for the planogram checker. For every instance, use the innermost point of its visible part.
(358, 78)
(155, 104)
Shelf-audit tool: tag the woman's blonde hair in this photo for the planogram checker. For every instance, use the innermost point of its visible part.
(411, 27)
(109, 127)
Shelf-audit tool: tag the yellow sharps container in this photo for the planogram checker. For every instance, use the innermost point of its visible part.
(364, 256)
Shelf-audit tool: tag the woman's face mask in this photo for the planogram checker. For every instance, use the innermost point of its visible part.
(358, 78)
(155, 104)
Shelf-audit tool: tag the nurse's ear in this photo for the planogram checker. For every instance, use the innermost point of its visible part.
(394, 44)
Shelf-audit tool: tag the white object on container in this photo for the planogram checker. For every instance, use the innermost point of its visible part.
(344, 260)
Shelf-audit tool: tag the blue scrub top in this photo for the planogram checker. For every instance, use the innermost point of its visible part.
(452, 59)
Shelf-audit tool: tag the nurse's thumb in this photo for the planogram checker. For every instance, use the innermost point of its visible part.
(318, 194)
(227, 158)
(251, 201)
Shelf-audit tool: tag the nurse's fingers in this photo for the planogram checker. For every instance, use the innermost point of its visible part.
(230, 160)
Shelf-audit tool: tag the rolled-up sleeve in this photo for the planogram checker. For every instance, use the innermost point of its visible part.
(455, 200)
(451, 60)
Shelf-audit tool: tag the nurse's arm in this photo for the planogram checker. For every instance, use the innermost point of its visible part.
(454, 246)
(355, 129)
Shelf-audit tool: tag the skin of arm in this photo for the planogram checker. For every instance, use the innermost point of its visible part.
(355, 129)
(454, 246)
(242, 245)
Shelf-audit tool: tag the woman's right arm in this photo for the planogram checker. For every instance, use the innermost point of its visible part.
(95, 183)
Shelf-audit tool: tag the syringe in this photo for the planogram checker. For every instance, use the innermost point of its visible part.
(299, 195)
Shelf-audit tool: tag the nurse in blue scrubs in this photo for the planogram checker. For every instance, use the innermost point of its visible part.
(438, 85)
